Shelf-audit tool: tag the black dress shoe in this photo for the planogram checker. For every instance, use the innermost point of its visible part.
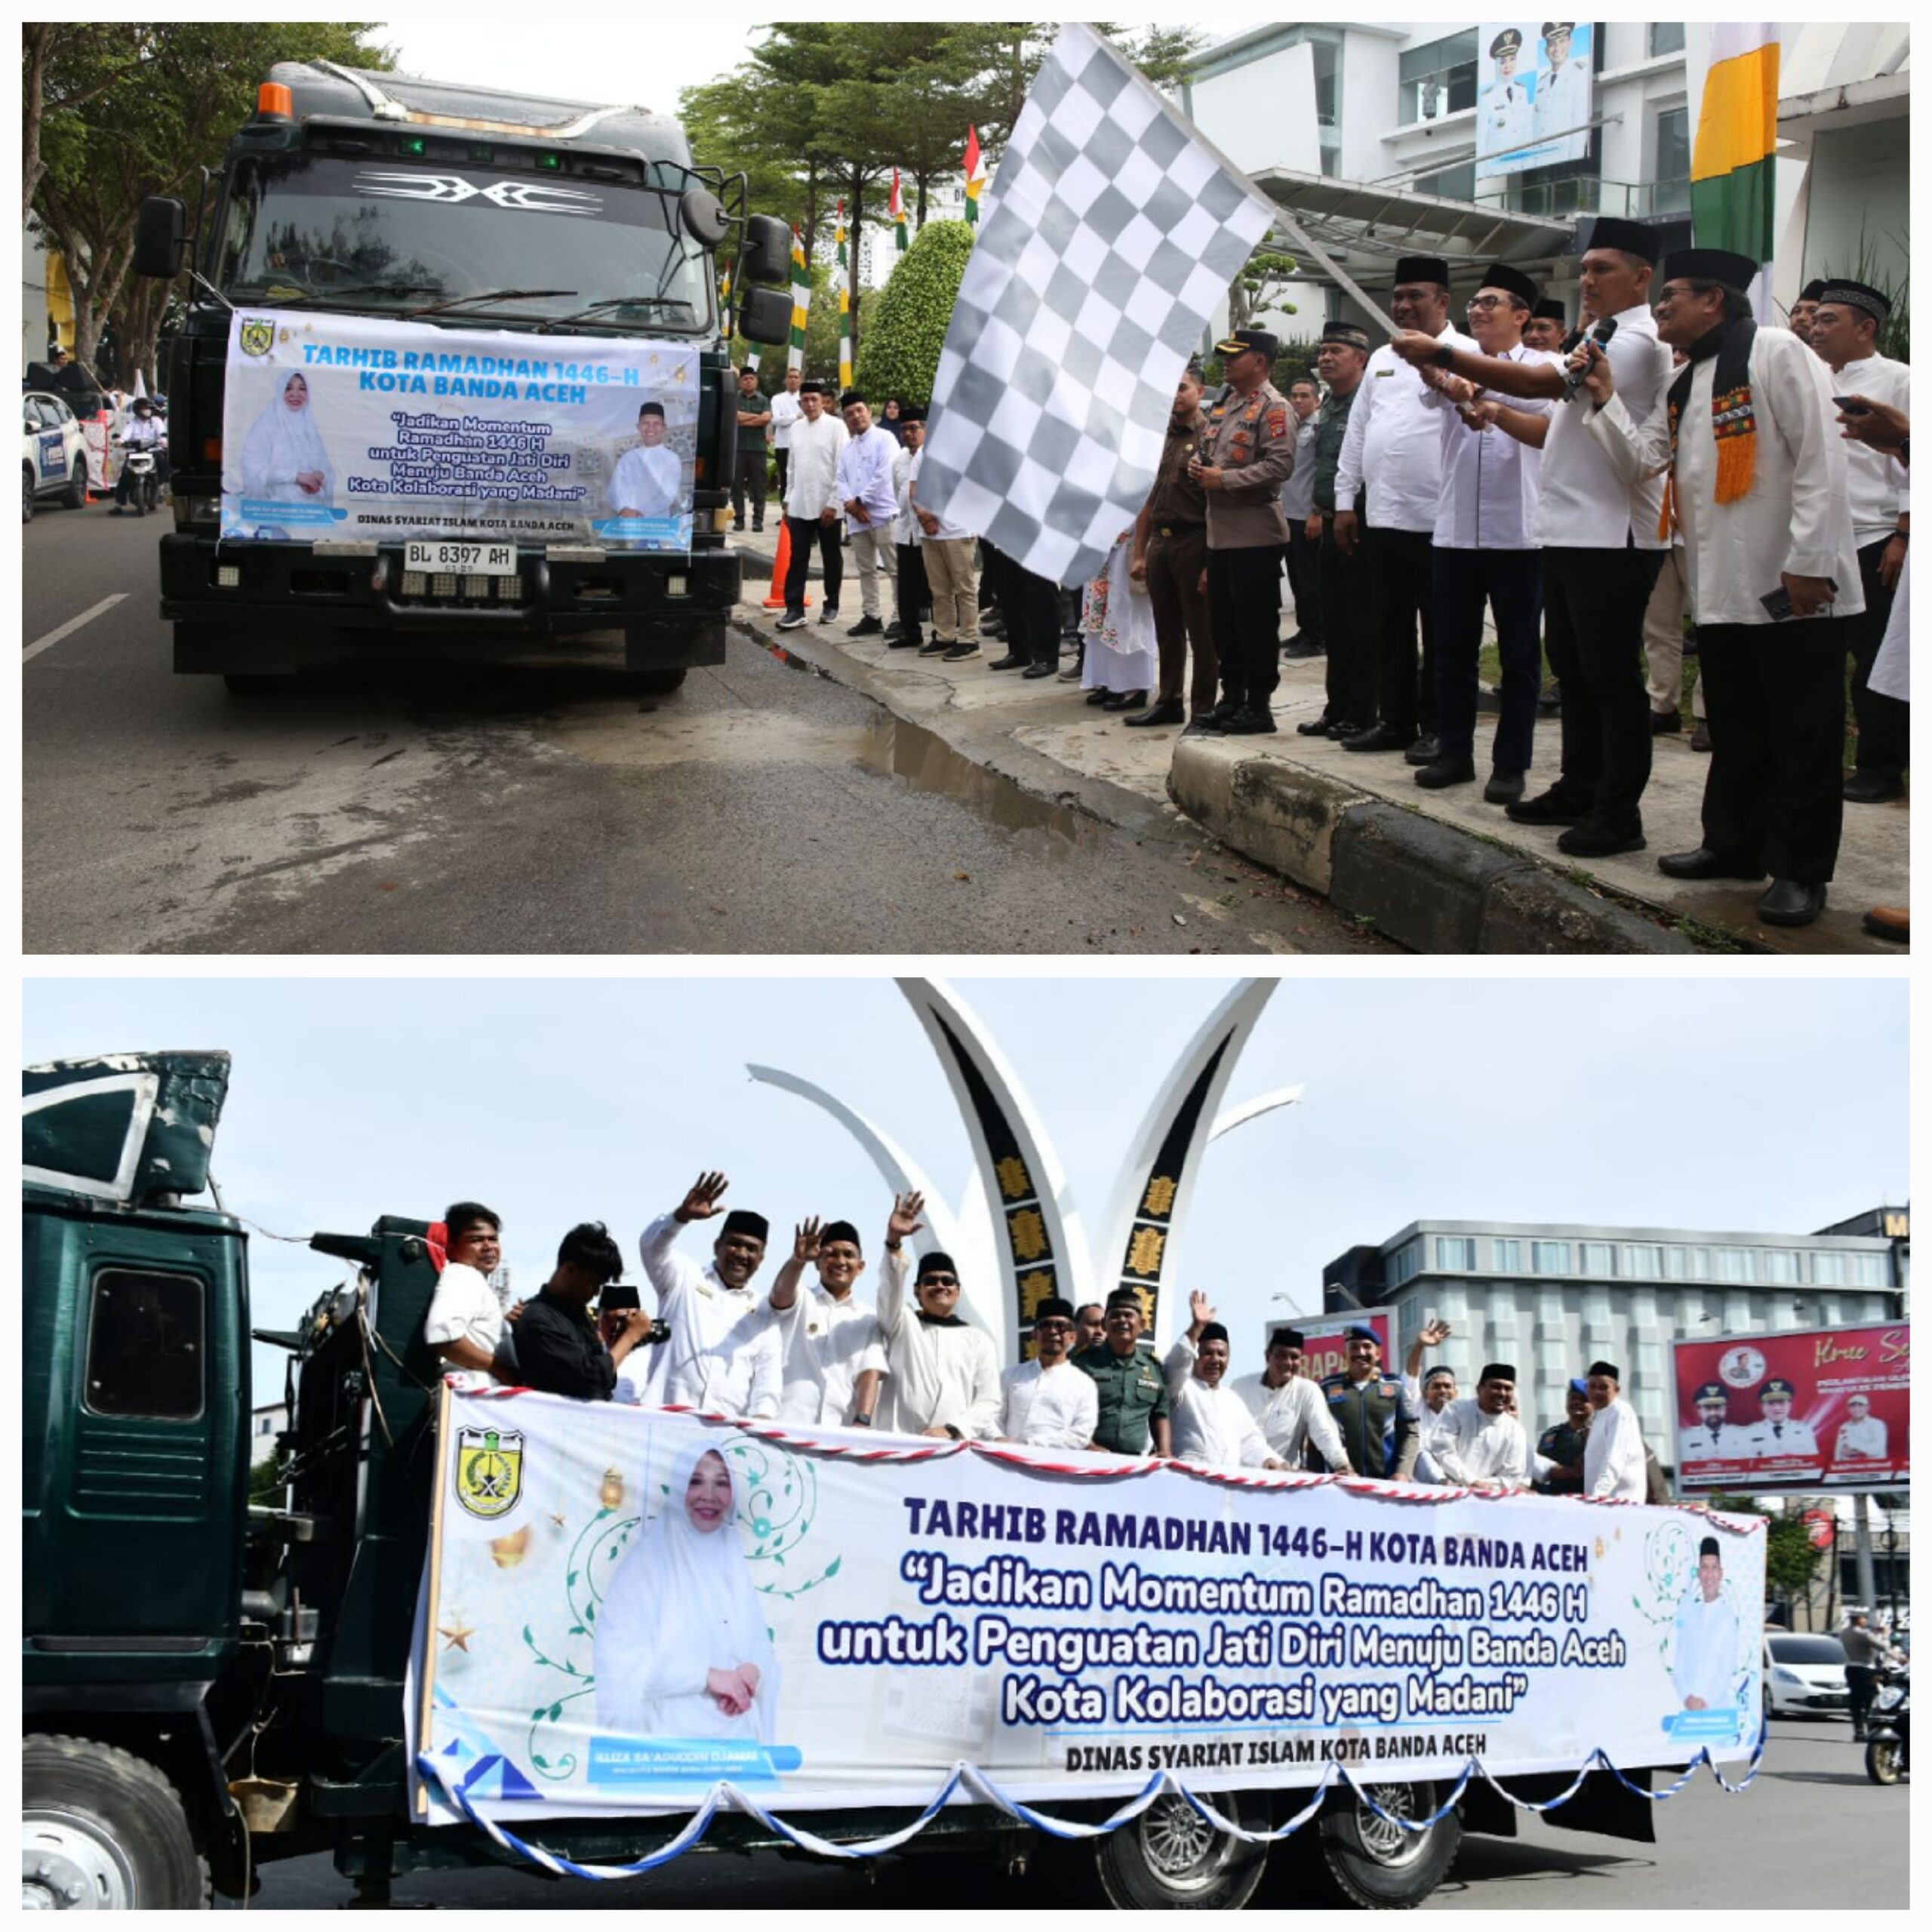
(1218, 713)
(1592, 838)
(1008, 663)
(1704, 864)
(1700, 739)
(865, 627)
(1424, 751)
(1440, 772)
(1098, 695)
(1252, 721)
(1125, 701)
(1548, 808)
(906, 640)
(1872, 788)
(1315, 728)
(1299, 648)
(1164, 711)
(937, 647)
(1379, 738)
(1791, 902)
(1505, 787)
(1662, 721)
(1037, 671)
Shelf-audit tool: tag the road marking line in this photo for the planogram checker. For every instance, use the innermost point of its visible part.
(72, 624)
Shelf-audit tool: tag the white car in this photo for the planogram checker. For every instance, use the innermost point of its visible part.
(54, 453)
(1804, 1674)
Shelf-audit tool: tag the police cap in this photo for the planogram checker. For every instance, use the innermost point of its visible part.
(1240, 342)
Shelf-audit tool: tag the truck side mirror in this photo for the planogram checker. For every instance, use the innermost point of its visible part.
(767, 260)
(161, 238)
(764, 315)
(704, 217)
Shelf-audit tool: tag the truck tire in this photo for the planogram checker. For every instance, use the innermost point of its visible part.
(255, 684)
(1171, 1858)
(103, 1830)
(658, 684)
(76, 497)
(1355, 1858)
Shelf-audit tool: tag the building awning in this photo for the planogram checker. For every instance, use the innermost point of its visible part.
(1366, 226)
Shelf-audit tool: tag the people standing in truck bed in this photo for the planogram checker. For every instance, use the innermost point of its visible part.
(465, 1324)
(559, 1349)
(945, 1375)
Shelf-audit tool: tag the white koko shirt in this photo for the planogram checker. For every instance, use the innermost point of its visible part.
(1394, 441)
(826, 1344)
(1052, 1408)
(1587, 502)
(723, 1354)
(1211, 1426)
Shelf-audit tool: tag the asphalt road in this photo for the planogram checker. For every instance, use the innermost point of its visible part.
(1810, 1833)
(762, 809)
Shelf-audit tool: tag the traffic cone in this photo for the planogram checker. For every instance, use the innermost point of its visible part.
(780, 564)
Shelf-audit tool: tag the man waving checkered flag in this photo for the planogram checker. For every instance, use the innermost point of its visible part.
(1115, 231)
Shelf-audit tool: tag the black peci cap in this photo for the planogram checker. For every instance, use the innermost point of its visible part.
(1422, 268)
(1723, 265)
(1629, 238)
(1500, 275)
(1875, 302)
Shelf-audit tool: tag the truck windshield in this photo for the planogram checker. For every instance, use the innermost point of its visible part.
(320, 230)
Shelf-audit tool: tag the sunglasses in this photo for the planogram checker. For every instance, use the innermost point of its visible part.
(939, 1280)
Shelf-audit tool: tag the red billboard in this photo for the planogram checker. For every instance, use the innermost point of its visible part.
(1325, 1340)
(1824, 1409)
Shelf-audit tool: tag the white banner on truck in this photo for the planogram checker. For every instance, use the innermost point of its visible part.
(347, 428)
(624, 1606)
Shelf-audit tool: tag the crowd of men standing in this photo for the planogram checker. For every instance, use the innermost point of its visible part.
(1593, 491)
(811, 1353)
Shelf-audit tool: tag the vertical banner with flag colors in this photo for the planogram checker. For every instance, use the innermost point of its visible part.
(844, 307)
(898, 213)
(801, 302)
(975, 174)
(1732, 71)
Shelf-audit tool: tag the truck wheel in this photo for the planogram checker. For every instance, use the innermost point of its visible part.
(103, 1830)
(27, 508)
(76, 497)
(1170, 1858)
(658, 684)
(1357, 1859)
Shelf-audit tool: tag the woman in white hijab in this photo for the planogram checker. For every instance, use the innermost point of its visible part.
(1117, 619)
(681, 1649)
(283, 459)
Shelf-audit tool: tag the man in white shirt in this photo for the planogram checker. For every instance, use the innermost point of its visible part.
(833, 1347)
(723, 1352)
(649, 479)
(1481, 1444)
(1707, 1656)
(1484, 550)
(865, 494)
(786, 410)
(465, 1323)
(910, 595)
(1613, 1451)
(1844, 333)
(1861, 1437)
(944, 1376)
(1758, 484)
(811, 504)
(1047, 1402)
(1289, 1408)
(1388, 489)
(1601, 547)
(1211, 1424)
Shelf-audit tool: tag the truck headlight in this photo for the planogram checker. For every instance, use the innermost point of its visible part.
(677, 586)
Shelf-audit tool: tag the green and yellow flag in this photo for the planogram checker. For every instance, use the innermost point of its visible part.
(1734, 102)
(844, 308)
(898, 212)
(802, 304)
(975, 174)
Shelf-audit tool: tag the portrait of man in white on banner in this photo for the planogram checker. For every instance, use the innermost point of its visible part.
(624, 1606)
(1534, 94)
(346, 428)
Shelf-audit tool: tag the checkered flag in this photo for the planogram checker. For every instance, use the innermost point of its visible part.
(1115, 231)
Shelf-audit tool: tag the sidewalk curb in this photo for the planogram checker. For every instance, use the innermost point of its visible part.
(1428, 886)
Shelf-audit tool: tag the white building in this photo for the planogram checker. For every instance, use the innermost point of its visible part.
(1367, 133)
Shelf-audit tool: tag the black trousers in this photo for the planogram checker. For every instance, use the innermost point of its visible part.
(1593, 605)
(1244, 614)
(1775, 693)
(807, 530)
(914, 594)
(749, 479)
(1861, 1684)
(1884, 724)
(1348, 632)
(1030, 605)
(1305, 578)
(783, 460)
(1402, 572)
(1510, 582)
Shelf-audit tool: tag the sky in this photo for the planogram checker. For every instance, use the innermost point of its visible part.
(1707, 1103)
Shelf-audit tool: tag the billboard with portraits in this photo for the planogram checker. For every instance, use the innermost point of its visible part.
(1534, 88)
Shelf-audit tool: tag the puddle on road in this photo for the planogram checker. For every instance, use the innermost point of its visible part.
(895, 747)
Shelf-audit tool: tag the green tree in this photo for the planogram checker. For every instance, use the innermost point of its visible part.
(1791, 1562)
(122, 120)
(1261, 287)
(901, 355)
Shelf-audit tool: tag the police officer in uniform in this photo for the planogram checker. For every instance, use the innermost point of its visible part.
(1708, 1441)
(1367, 1406)
(1132, 1391)
(1245, 454)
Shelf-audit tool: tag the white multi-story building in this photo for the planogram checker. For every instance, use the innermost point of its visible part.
(1367, 133)
(1552, 1298)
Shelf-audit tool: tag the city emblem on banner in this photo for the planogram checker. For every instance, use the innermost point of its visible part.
(257, 337)
(489, 1464)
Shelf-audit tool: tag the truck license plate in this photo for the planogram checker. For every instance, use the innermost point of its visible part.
(467, 559)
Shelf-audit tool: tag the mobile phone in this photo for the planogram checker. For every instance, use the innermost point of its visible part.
(1851, 406)
(1778, 601)
(617, 1301)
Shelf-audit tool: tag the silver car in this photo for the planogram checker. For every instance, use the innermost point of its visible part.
(1804, 1674)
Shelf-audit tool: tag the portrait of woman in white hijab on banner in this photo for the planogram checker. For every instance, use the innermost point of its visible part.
(286, 480)
(682, 1649)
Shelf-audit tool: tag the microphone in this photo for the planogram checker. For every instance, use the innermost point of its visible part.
(1573, 378)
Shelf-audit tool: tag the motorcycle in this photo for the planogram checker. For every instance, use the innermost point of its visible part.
(1887, 1758)
(143, 462)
